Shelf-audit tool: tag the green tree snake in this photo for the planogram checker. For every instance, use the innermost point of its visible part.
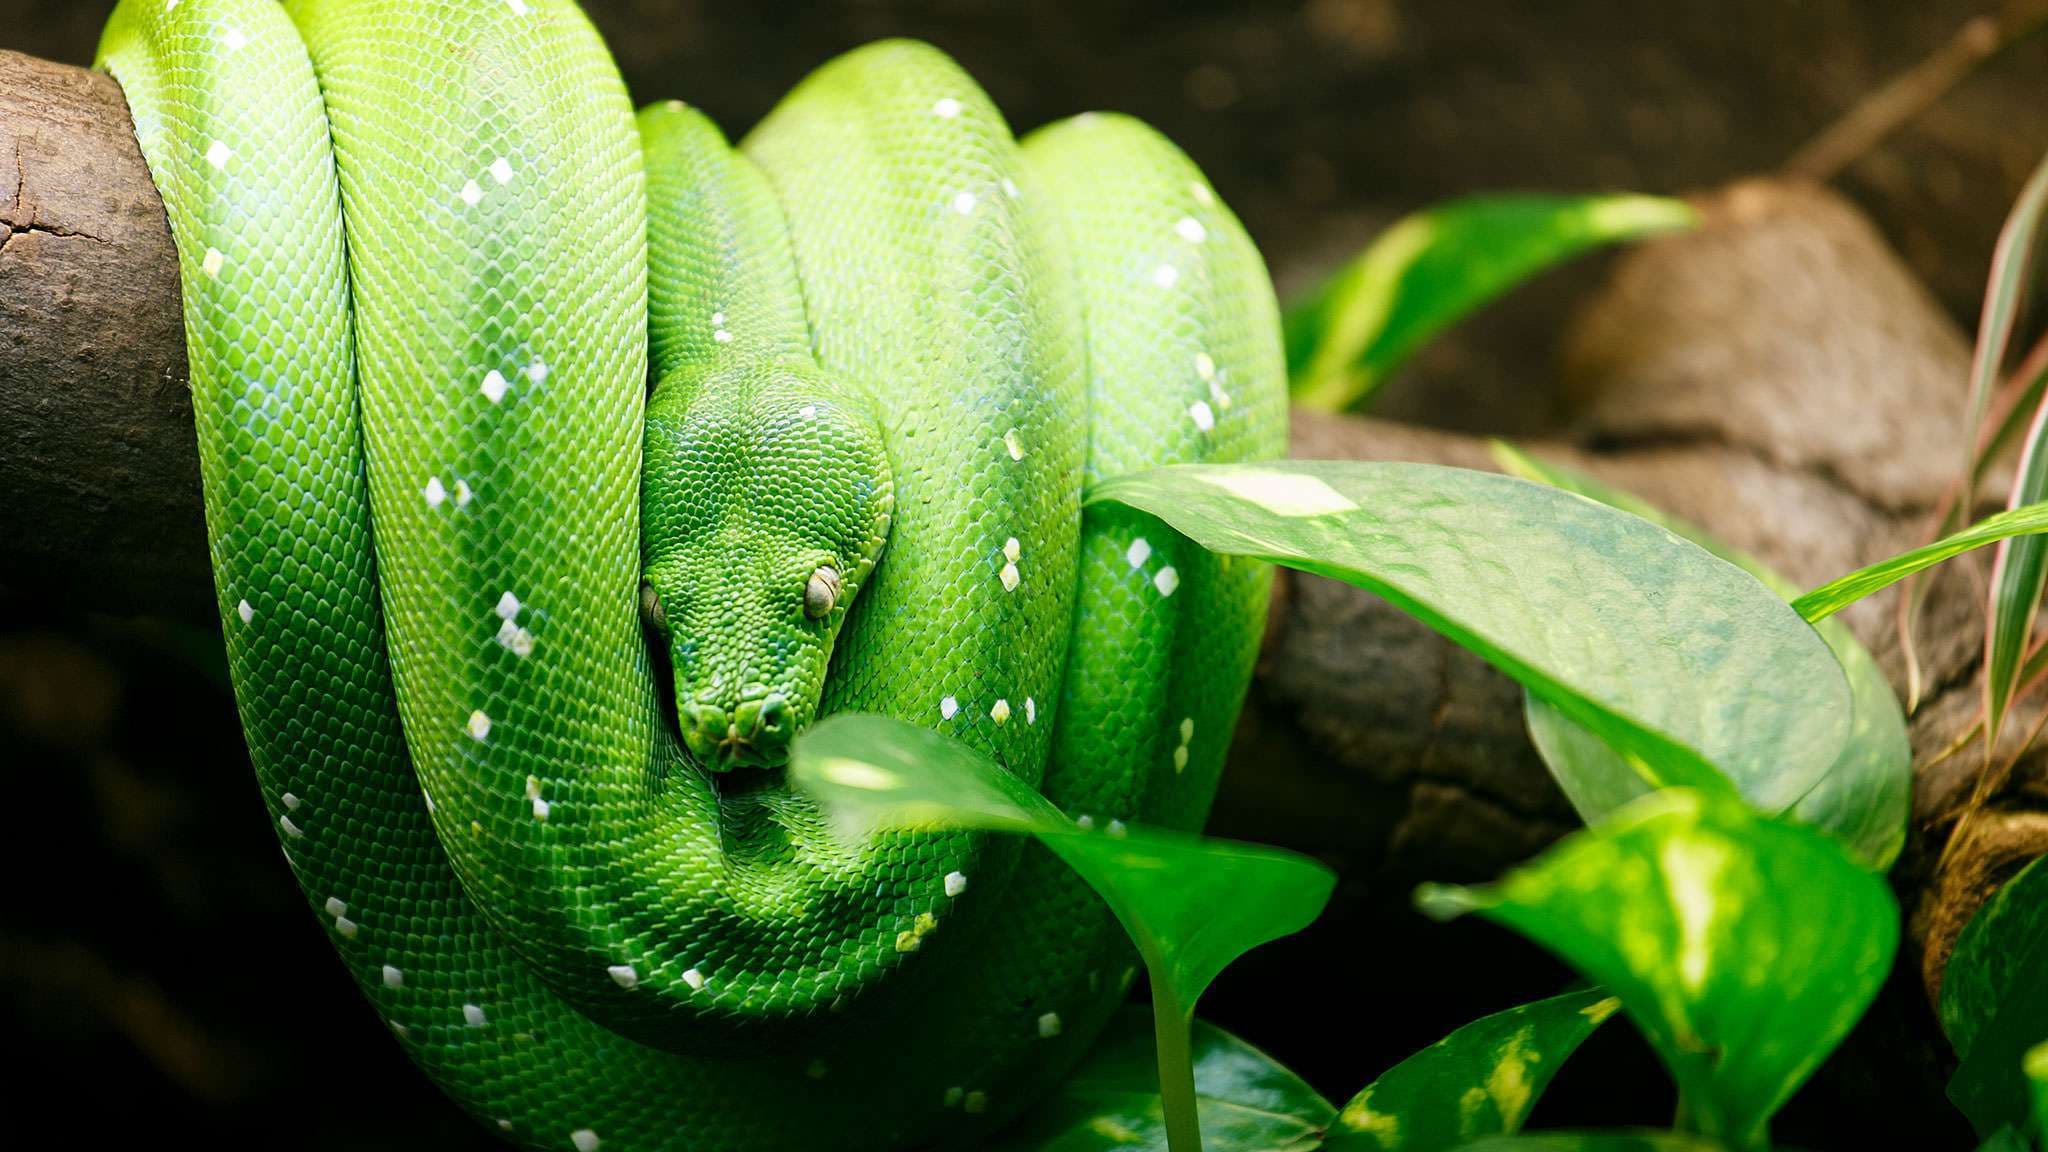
(560, 465)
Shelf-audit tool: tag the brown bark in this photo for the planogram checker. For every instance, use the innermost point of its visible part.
(1777, 378)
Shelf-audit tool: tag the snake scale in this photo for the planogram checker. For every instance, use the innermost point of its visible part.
(561, 464)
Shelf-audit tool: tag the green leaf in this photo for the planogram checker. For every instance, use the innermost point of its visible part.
(1191, 905)
(2017, 577)
(1863, 799)
(1434, 267)
(1680, 661)
(1248, 1101)
(1989, 952)
(2006, 1139)
(1744, 948)
(2037, 1075)
(1843, 591)
(1994, 1001)
(1617, 1140)
(1478, 1081)
(2010, 260)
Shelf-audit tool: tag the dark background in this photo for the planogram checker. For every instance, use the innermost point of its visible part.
(158, 973)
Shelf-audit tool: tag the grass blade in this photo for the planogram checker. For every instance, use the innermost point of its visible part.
(2017, 576)
(1436, 266)
(1843, 591)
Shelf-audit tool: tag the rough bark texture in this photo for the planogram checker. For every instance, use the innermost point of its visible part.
(99, 472)
(1777, 378)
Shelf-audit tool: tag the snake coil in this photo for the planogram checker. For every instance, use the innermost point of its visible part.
(561, 466)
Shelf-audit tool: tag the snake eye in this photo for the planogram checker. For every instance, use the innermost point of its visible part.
(821, 594)
(651, 612)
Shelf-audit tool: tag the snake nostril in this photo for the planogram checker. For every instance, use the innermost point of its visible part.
(774, 713)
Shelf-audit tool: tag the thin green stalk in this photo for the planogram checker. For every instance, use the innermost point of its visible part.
(1171, 1025)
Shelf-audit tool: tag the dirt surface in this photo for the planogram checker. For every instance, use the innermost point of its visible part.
(153, 951)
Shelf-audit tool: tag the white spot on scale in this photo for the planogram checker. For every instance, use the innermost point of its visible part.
(345, 926)
(956, 883)
(217, 154)
(479, 726)
(501, 170)
(1202, 194)
(948, 708)
(1166, 580)
(1191, 230)
(964, 203)
(584, 1139)
(1166, 275)
(946, 108)
(245, 611)
(541, 809)
(1010, 189)
(1000, 713)
(434, 492)
(234, 39)
(722, 336)
(1012, 551)
(808, 411)
(1015, 443)
(494, 386)
(1030, 710)
(1011, 578)
(1217, 394)
(213, 263)
(1139, 552)
(1084, 820)
(694, 979)
(1180, 759)
(1202, 415)
(1048, 1025)
(537, 371)
(515, 639)
(1187, 729)
(462, 494)
(1115, 828)
(472, 193)
(519, 7)
(624, 975)
(1205, 366)
(508, 607)
(336, 907)
(473, 1016)
(718, 319)
(290, 829)
(504, 1125)
(393, 978)
(291, 802)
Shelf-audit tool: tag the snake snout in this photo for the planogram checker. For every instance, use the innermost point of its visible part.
(756, 732)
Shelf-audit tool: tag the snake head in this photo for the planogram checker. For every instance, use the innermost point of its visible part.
(765, 503)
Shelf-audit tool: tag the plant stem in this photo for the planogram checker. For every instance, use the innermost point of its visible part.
(1170, 1030)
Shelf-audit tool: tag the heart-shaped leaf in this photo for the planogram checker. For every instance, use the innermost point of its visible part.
(1190, 904)
(1994, 1001)
(1744, 948)
(1248, 1101)
(1862, 800)
(1432, 268)
(1680, 661)
(1478, 1081)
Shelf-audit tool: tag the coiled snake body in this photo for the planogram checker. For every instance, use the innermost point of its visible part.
(519, 646)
